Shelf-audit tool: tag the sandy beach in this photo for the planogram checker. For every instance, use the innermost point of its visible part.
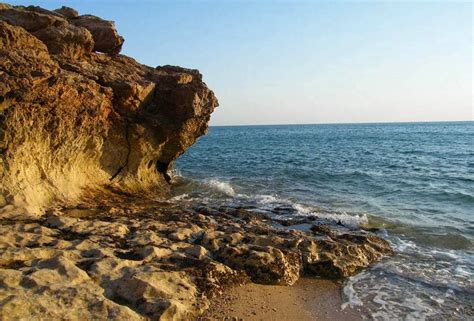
(309, 299)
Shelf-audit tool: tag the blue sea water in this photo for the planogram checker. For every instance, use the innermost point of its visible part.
(415, 181)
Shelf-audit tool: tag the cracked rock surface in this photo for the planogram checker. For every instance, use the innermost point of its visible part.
(77, 118)
(142, 260)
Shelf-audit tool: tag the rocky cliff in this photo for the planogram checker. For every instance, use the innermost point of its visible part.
(78, 120)
(86, 135)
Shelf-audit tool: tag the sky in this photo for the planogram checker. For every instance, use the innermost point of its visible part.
(295, 62)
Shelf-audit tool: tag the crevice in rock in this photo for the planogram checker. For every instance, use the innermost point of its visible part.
(163, 168)
(129, 149)
(128, 255)
(16, 264)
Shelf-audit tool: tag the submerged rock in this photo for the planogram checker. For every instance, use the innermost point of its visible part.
(78, 119)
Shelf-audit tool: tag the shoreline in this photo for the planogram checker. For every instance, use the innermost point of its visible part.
(143, 260)
(273, 220)
(308, 299)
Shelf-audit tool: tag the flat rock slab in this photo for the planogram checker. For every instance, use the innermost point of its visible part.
(157, 261)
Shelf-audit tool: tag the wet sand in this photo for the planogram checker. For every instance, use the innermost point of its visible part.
(308, 299)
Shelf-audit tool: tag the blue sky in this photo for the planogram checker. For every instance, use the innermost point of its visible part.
(276, 62)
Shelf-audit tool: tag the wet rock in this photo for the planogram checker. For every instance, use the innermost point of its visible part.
(323, 229)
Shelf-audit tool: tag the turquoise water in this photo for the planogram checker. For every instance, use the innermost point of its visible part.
(413, 180)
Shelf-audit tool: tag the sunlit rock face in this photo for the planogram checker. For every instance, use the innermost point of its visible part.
(78, 119)
(88, 137)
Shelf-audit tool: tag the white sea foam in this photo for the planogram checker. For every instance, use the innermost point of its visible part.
(351, 295)
(344, 218)
(179, 197)
(176, 173)
(440, 282)
(263, 202)
(221, 187)
(270, 202)
(267, 199)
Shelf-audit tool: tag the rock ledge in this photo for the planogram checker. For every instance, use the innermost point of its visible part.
(78, 118)
(143, 260)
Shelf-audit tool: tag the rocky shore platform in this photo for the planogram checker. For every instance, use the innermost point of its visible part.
(88, 138)
(135, 259)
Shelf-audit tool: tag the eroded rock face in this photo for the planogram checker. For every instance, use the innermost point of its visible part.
(150, 261)
(101, 131)
(78, 118)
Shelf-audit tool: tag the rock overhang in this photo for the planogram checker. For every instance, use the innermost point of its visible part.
(79, 116)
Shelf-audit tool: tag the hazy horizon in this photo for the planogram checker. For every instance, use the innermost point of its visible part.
(282, 62)
(354, 123)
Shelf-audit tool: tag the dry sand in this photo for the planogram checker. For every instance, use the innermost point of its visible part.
(308, 299)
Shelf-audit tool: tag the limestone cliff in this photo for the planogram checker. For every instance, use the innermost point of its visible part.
(78, 123)
(78, 119)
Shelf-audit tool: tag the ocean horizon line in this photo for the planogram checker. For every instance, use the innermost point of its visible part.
(348, 123)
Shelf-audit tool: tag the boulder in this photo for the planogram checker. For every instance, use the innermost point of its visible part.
(67, 12)
(106, 37)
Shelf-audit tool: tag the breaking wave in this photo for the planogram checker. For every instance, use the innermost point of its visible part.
(412, 181)
(440, 281)
(221, 187)
(215, 192)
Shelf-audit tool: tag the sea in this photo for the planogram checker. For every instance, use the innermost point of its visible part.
(413, 181)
